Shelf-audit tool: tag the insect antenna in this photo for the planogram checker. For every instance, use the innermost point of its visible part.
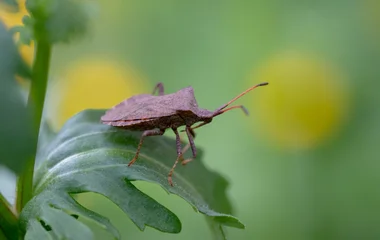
(230, 108)
(222, 108)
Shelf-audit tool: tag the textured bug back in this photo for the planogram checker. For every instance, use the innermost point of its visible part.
(125, 108)
(146, 106)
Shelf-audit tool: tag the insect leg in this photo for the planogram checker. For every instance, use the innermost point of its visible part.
(160, 88)
(183, 161)
(200, 125)
(186, 147)
(184, 150)
(147, 133)
(190, 135)
(179, 156)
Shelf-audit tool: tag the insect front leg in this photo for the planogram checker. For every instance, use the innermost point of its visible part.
(179, 155)
(160, 88)
(200, 125)
(191, 135)
(147, 133)
(187, 146)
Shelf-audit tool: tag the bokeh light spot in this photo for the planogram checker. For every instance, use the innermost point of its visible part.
(305, 103)
(92, 83)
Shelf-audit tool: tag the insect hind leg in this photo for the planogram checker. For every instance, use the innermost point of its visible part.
(147, 133)
(179, 156)
(160, 88)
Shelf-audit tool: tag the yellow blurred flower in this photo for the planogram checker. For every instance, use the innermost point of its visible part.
(92, 83)
(11, 19)
(305, 103)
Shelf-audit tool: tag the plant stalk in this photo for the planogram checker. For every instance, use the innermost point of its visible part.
(37, 92)
(8, 221)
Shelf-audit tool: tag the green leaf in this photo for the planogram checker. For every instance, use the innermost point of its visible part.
(46, 135)
(87, 156)
(16, 135)
(36, 231)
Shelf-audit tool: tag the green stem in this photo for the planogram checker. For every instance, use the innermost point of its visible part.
(8, 221)
(36, 101)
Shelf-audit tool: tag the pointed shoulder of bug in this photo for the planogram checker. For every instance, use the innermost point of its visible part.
(184, 100)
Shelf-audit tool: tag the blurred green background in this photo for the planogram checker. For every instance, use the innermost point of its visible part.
(305, 164)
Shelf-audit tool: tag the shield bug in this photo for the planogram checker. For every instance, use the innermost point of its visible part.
(154, 114)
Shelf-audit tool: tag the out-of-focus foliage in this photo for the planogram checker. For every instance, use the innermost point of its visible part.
(13, 20)
(11, 5)
(16, 139)
(87, 156)
(60, 20)
(96, 76)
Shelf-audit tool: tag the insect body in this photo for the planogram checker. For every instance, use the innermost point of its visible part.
(154, 114)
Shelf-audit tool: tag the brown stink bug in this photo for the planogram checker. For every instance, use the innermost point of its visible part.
(154, 114)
